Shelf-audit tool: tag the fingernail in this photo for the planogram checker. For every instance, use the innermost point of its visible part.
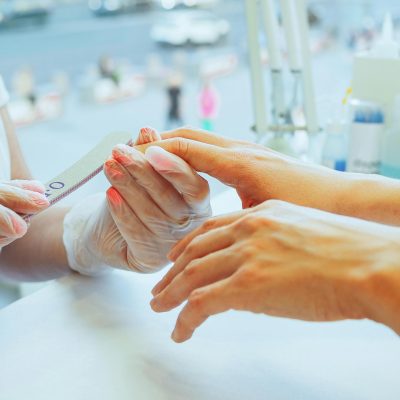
(160, 159)
(112, 168)
(175, 336)
(122, 154)
(172, 255)
(114, 196)
(154, 304)
(20, 227)
(156, 289)
(39, 199)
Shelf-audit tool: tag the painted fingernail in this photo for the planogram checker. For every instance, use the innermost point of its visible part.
(114, 197)
(19, 226)
(122, 154)
(112, 168)
(39, 199)
(161, 159)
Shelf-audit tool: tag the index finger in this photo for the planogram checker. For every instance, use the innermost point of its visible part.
(198, 135)
(203, 157)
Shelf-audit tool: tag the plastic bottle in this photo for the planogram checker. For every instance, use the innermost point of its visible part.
(391, 146)
(365, 138)
(334, 153)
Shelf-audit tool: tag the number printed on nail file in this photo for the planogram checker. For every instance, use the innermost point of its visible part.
(85, 169)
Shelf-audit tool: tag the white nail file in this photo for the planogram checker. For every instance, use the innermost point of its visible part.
(85, 169)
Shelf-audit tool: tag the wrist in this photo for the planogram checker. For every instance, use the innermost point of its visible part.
(79, 244)
(379, 287)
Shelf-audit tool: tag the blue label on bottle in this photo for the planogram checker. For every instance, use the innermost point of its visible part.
(340, 165)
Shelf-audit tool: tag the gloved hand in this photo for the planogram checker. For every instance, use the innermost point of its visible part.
(154, 201)
(18, 197)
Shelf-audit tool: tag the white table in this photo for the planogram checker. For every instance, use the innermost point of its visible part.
(82, 338)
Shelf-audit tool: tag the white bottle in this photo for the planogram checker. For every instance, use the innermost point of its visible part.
(365, 138)
(334, 153)
(391, 146)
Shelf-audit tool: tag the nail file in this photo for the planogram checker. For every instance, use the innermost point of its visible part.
(85, 169)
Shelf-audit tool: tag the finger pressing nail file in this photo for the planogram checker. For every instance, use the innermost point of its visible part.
(85, 169)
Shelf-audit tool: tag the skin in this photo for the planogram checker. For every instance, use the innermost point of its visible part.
(284, 260)
(259, 174)
(39, 253)
(295, 260)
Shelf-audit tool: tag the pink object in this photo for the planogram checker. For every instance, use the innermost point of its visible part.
(208, 102)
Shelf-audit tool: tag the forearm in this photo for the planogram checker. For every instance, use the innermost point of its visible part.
(370, 197)
(40, 255)
(19, 168)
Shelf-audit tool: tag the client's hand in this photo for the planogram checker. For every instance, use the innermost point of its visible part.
(150, 206)
(256, 172)
(18, 197)
(284, 260)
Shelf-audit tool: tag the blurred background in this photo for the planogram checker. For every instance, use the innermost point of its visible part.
(80, 69)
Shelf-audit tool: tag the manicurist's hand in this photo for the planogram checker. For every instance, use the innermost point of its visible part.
(18, 197)
(284, 260)
(259, 174)
(153, 203)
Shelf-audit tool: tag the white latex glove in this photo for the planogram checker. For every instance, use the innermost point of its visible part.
(154, 201)
(18, 197)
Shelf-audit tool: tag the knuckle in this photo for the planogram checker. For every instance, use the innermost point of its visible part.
(191, 270)
(247, 276)
(196, 300)
(209, 224)
(180, 146)
(250, 222)
(191, 247)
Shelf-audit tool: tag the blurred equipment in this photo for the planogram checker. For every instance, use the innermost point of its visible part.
(366, 135)
(171, 4)
(334, 153)
(111, 81)
(209, 103)
(31, 104)
(190, 27)
(391, 146)
(376, 72)
(295, 25)
(113, 7)
(22, 11)
(174, 97)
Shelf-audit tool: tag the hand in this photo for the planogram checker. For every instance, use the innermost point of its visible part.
(256, 172)
(18, 197)
(284, 260)
(150, 206)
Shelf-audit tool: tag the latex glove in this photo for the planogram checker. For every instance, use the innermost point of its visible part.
(288, 261)
(18, 197)
(152, 204)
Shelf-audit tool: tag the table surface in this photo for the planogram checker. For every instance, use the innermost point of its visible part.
(82, 338)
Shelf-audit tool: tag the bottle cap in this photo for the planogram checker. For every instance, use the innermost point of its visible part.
(386, 46)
